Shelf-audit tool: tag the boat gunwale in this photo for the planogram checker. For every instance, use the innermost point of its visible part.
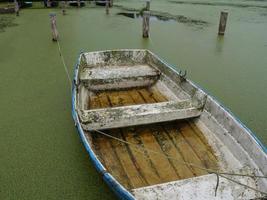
(119, 189)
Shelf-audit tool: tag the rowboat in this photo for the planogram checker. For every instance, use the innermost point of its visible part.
(154, 134)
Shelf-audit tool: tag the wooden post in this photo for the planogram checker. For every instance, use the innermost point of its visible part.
(48, 3)
(222, 25)
(146, 15)
(148, 5)
(16, 7)
(53, 26)
(107, 7)
(64, 7)
(79, 3)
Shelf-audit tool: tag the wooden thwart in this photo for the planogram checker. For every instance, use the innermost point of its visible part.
(123, 116)
(117, 77)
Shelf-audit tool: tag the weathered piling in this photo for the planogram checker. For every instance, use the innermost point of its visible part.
(79, 3)
(146, 16)
(107, 7)
(16, 7)
(53, 26)
(222, 25)
(48, 4)
(148, 5)
(64, 7)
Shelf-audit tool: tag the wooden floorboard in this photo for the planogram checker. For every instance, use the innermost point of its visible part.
(198, 147)
(149, 167)
(118, 97)
(184, 148)
(169, 149)
(94, 102)
(156, 95)
(163, 166)
(135, 167)
(166, 169)
(124, 160)
(186, 152)
(200, 150)
(128, 162)
(202, 138)
(113, 160)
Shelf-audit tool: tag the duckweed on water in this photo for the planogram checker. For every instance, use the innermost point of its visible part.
(6, 21)
(162, 16)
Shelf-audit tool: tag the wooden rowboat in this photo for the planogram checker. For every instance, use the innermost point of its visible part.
(153, 134)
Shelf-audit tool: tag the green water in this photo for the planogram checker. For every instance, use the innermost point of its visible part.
(41, 154)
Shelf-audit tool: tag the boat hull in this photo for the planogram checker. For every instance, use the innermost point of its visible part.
(212, 109)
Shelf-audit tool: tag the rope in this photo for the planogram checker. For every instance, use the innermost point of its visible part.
(244, 185)
(64, 64)
(209, 170)
(217, 184)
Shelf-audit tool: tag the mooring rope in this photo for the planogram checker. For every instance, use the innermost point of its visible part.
(209, 170)
(64, 64)
(137, 149)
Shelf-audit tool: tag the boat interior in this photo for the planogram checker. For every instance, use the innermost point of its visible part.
(181, 140)
(154, 125)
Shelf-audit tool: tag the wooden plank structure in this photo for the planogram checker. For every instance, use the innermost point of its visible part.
(119, 77)
(64, 4)
(152, 147)
(148, 5)
(98, 119)
(53, 26)
(107, 7)
(16, 7)
(223, 21)
(146, 16)
(180, 139)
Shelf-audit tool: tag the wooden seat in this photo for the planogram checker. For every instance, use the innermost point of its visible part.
(118, 77)
(115, 117)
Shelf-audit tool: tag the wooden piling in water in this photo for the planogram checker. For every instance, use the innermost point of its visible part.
(107, 7)
(48, 4)
(53, 26)
(148, 5)
(64, 7)
(146, 16)
(79, 3)
(16, 7)
(222, 25)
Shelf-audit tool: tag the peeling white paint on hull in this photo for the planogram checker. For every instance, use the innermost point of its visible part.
(200, 188)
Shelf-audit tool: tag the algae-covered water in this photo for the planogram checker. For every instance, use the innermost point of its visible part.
(41, 154)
